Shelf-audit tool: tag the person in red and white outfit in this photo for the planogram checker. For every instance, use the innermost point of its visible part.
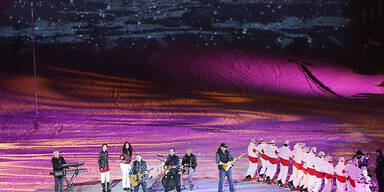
(319, 173)
(263, 159)
(307, 155)
(352, 172)
(125, 166)
(104, 169)
(253, 160)
(328, 174)
(312, 162)
(296, 166)
(271, 152)
(284, 154)
(341, 179)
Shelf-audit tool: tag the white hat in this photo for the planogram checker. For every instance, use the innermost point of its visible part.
(313, 149)
(286, 142)
(272, 142)
(342, 159)
(261, 140)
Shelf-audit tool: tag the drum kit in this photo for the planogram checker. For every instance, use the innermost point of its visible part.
(163, 176)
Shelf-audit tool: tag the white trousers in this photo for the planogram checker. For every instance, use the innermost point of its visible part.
(271, 170)
(350, 188)
(340, 187)
(125, 169)
(327, 185)
(304, 181)
(283, 174)
(311, 182)
(252, 168)
(298, 178)
(105, 177)
(263, 166)
(316, 184)
(294, 174)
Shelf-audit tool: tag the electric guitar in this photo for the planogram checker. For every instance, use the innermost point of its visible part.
(226, 166)
(136, 179)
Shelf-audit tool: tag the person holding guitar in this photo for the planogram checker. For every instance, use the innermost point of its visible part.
(139, 169)
(222, 158)
(172, 165)
(189, 165)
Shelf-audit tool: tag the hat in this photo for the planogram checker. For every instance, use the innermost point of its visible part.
(313, 149)
(359, 152)
(321, 154)
(286, 142)
(224, 145)
(261, 140)
(272, 142)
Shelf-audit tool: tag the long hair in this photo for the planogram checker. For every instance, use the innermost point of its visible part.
(125, 151)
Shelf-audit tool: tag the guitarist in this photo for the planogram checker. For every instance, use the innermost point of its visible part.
(189, 162)
(222, 157)
(140, 166)
(172, 163)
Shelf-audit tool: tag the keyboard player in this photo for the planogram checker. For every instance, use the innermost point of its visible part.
(57, 162)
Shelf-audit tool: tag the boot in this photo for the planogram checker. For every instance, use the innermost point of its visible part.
(108, 187)
(248, 178)
(103, 186)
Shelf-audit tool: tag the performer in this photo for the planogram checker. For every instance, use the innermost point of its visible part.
(271, 152)
(352, 172)
(172, 164)
(380, 169)
(284, 153)
(312, 162)
(319, 174)
(125, 166)
(307, 155)
(328, 174)
(140, 166)
(57, 161)
(264, 159)
(294, 165)
(189, 162)
(341, 179)
(223, 156)
(104, 168)
(364, 181)
(253, 160)
(298, 158)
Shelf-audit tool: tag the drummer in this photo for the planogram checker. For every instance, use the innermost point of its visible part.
(189, 165)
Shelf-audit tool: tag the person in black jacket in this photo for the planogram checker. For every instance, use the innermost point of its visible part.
(189, 163)
(104, 168)
(172, 164)
(380, 170)
(223, 156)
(140, 166)
(57, 161)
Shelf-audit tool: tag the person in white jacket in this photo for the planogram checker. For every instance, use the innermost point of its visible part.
(364, 181)
(353, 172)
(306, 158)
(253, 160)
(328, 174)
(341, 179)
(271, 152)
(311, 164)
(284, 154)
(319, 173)
(299, 158)
(263, 159)
(294, 165)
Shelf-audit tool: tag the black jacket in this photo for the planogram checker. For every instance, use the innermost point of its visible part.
(103, 159)
(139, 167)
(380, 165)
(57, 162)
(190, 161)
(173, 161)
(223, 157)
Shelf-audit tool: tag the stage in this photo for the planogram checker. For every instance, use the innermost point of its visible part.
(201, 185)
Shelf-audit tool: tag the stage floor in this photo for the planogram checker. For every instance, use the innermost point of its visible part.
(201, 185)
